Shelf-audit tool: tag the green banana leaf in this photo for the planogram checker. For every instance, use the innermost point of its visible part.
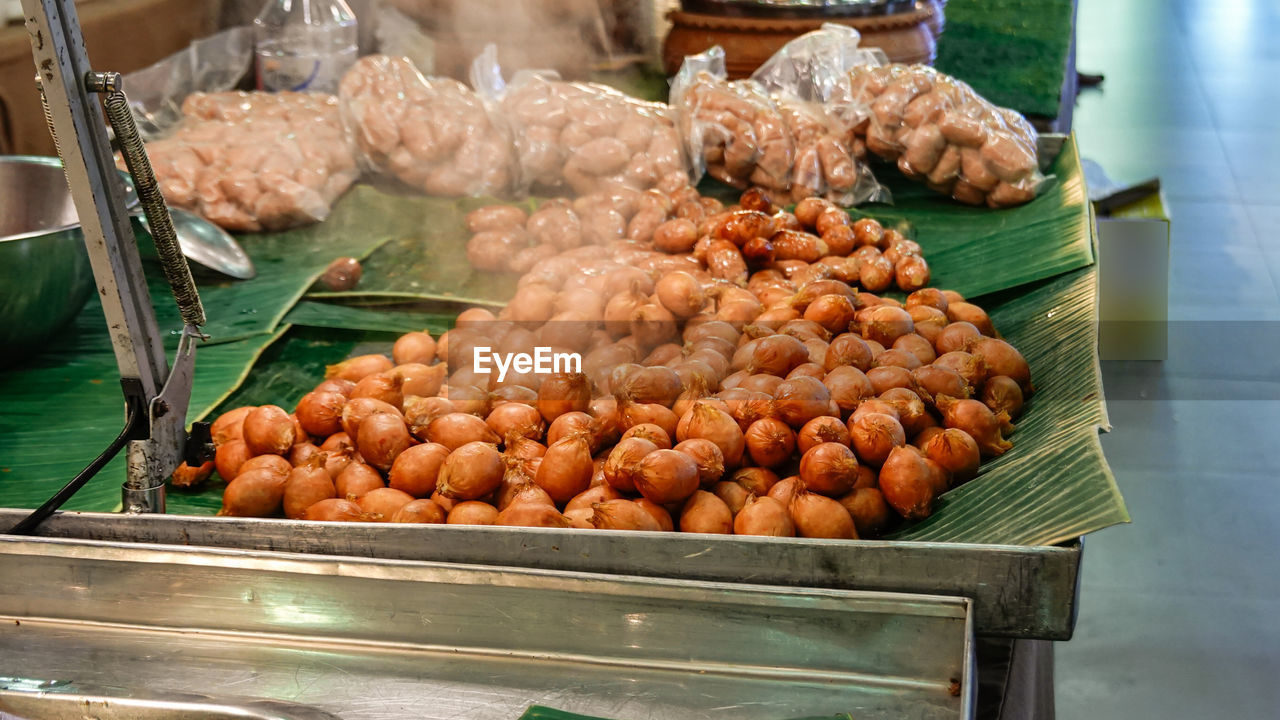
(1024, 497)
(398, 319)
(288, 263)
(975, 250)
(427, 259)
(65, 406)
(1054, 484)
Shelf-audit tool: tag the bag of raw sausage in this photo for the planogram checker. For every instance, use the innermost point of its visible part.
(732, 130)
(432, 134)
(256, 161)
(938, 130)
(580, 137)
(808, 80)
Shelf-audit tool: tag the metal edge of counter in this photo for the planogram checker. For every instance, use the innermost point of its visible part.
(1017, 591)
(389, 618)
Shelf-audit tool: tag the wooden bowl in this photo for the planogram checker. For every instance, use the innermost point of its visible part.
(748, 41)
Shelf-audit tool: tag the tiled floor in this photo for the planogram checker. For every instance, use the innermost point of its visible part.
(1180, 611)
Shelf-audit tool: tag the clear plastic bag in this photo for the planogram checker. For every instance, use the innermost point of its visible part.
(825, 165)
(213, 64)
(938, 130)
(245, 161)
(815, 67)
(432, 134)
(732, 130)
(256, 161)
(584, 137)
(398, 35)
(808, 79)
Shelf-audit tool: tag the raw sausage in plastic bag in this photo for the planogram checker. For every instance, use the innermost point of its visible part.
(256, 161)
(430, 133)
(583, 137)
(732, 130)
(938, 130)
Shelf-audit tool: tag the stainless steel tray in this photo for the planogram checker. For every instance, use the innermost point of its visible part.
(1017, 591)
(364, 638)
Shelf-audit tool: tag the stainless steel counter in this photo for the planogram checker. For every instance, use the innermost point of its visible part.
(383, 638)
(1027, 592)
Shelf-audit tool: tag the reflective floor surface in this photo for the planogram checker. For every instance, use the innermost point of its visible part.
(1180, 611)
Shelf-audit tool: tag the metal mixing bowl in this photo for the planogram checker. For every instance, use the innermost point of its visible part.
(45, 277)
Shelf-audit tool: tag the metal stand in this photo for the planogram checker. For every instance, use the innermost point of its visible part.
(68, 85)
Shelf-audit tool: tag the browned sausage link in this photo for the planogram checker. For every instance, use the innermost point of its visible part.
(742, 225)
(876, 273)
(758, 252)
(793, 245)
(911, 273)
(725, 262)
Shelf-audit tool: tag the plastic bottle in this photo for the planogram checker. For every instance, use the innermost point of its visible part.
(304, 45)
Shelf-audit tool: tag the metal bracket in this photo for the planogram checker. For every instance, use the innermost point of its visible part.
(143, 500)
(104, 82)
(70, 89)
(77, 120)
(200, 448)
(152, 460)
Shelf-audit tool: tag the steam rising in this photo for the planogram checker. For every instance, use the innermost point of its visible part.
(569, 36)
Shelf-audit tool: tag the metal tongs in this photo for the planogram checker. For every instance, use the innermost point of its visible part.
(156, 397)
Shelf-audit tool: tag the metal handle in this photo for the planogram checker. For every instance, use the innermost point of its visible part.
(174, 263)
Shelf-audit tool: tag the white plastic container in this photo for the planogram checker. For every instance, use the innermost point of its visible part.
(304, 45)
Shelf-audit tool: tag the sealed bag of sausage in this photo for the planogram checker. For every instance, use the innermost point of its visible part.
(580, 137)
(432, 134)
(256, 161)
(826, 163)
(815, 67)
(808, 80)
(938, 130)
(732, 130)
